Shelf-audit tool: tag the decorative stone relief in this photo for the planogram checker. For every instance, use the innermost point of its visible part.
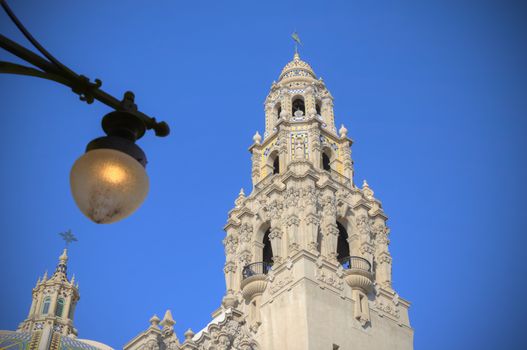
(387, 308)
(231, 244)
(280, 283)
(246, 233)
(329, 279)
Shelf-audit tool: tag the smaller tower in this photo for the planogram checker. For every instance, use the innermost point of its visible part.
(53, 304)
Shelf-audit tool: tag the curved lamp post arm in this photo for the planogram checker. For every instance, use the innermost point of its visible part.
(48, 67)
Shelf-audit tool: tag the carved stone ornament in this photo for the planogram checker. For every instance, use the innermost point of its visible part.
(231, 334)
(292, 220)
(291, 198)
(231, 243)
(386, 308)
(246, 232)
(275, 233)
(278, 284)
(363, 224)
(330, 280)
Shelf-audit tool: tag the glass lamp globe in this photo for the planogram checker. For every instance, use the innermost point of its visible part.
(108, 185)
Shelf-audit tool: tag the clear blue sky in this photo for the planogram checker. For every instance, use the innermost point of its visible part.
(432, 92)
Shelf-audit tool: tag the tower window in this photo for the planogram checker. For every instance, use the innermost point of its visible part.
(326, 162)
(45, 306)
(298, 105)
(278, 111)
(60, 307)
(317, 107)
(343, 248)
(267, 249)
(276, 165)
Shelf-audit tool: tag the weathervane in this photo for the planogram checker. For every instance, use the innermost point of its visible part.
(296, 38)
(68, 237)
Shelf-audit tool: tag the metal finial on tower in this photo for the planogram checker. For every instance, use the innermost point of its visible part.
(297, 41)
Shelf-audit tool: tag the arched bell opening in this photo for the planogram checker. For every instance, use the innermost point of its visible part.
(278, 110)
(274, 162)
(343, 248)
(267, 254)
(298, 106)
(327, 157)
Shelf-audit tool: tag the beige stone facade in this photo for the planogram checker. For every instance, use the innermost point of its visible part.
(307, 260)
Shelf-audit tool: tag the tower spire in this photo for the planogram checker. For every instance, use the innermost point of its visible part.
(54, 301)
(62, 266)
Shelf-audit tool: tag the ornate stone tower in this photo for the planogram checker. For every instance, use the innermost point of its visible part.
(54, 301)
(49, 325)
(307, 260)
(307, 257)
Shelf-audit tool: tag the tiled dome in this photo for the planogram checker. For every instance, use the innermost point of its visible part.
(297, 68)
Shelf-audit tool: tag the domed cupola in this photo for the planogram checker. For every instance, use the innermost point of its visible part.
(297, 70)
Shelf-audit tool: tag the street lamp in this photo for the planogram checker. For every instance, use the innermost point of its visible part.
(109, 181)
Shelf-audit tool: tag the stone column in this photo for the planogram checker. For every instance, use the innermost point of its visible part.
(67, 305)
(316, 147)
(269, 120)
(383, 275)
(354, 244)
(292, 234)
(309, 102)
(345, 149)
(256, 166)
(275, 236)
(330, 235)
(34, 302)
(230, 276)
(286, 103)
(53, 303)
(312, 222)
(38, 308)
(327, 113)
(283, 143)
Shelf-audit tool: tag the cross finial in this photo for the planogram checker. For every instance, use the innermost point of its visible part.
(68, 237)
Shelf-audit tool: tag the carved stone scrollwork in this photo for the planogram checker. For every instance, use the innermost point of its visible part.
(330, 280)
(223, 342)
(309, 199)
(246, 232)
(386, 308)
(278, 284)
(366, 248)
(328, 206)
(275, 210)
(231, 244)
(384, 259)
(363, 224)
(380, 232)
(245, 258)
(291, 198)
(230, 267)
(275, 233)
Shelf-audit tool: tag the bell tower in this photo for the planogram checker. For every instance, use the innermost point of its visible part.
(53, 305)
(307, 259)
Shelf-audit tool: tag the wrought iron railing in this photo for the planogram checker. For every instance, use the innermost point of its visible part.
(355, 262)
(257, 268)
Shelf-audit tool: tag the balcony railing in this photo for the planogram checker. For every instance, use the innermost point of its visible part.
(355, 262)
(257, 268)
